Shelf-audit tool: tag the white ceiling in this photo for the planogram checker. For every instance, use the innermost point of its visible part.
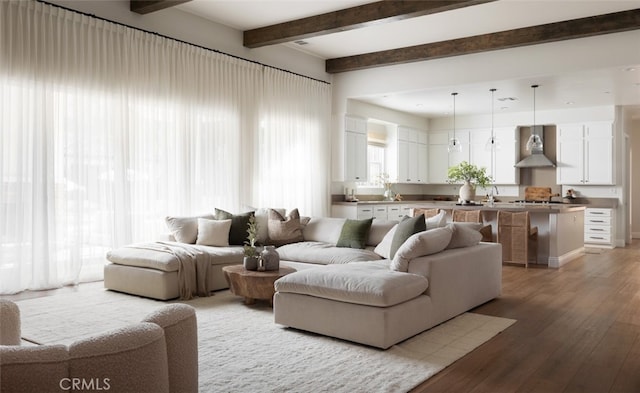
(616, 85)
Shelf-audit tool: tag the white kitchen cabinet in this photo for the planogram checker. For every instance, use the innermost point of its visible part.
(358, 211)
(355, 149)
(503, 170)
(365, 212)
(394, 212)
(439, 159)
(599, 224)
(585, 154)
(407, 153)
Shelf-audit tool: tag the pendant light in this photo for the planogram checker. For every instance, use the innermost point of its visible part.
(454, 143)
(492, 143)
(534, 142)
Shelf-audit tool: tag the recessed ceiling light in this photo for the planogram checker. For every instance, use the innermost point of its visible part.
(569, 102)
(419, 105)
(607, 92)
(301, 42)
(503, 108)
(503, 99)
(629, 69)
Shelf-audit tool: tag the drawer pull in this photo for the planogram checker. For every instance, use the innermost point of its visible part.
(600, 221)
(597, 230)
(596, 212)
(597, 237)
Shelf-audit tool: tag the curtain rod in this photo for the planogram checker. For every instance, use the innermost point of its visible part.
(181, 41)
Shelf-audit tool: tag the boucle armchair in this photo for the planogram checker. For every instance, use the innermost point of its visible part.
(158, 354)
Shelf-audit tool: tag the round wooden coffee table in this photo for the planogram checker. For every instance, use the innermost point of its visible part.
(251, 284)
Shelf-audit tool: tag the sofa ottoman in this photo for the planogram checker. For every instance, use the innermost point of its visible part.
(364, 302)
(145, 270)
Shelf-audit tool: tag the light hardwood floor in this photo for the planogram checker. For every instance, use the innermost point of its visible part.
(578, 330)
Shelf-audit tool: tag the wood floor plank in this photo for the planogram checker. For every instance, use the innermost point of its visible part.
(578, 329)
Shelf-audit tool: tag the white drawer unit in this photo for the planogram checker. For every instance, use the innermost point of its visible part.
(599, 224)
(365, 212)
(394, 212)
(380, 212)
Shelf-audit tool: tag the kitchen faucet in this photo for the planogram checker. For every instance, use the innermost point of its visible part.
(491, 194)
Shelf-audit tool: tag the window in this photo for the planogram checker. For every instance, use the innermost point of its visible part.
(376, 163)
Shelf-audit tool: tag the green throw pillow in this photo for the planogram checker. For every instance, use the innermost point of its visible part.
(354, 233)
(407, 227)
(239, 225)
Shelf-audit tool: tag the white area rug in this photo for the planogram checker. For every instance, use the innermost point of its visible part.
(241, 349)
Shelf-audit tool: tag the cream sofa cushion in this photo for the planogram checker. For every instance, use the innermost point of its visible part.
(437, 221)
(367, 283)
(155, 256)
(323, 229)
(465, 234)
(213, 232)
(379, 229)
(185, 229)
(421, 244)
(324, 253)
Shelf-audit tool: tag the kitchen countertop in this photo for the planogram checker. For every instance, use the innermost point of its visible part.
(608, 203)
(539, 208)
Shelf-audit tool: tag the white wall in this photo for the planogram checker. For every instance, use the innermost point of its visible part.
(184, 26)
(634, 134)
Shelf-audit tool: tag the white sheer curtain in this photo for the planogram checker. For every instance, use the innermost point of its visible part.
(293, 146)
(105, 130)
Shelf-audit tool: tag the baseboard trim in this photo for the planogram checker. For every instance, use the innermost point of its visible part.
(635, 235)
(556, 262)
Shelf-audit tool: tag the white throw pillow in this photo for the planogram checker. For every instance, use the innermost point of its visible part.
(384, 247)
(437, 221)
(421, 244)
(185, 229)
(465, 234)
(213, 232)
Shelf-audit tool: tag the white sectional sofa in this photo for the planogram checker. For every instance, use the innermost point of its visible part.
(355, 294)
(151, 269)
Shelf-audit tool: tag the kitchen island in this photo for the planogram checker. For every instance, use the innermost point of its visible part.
(560, 226)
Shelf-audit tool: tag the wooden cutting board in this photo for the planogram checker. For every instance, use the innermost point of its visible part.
(537, 193)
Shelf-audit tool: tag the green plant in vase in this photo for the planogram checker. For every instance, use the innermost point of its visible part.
(251, 253)
(472, 176)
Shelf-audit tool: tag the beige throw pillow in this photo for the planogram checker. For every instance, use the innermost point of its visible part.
(421, 244)
(465, 234)
(284, 230)
(213, 232)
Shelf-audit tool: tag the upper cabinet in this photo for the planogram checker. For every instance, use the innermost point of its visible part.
(585, 154)
(355, 149)
(439, 159)
(407, 155)
(499, 163)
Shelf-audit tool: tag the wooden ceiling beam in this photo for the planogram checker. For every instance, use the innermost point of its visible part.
(350, 18)
(147, 6)
(559, 31)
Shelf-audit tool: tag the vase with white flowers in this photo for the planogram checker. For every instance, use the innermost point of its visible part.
(472, 176)
(383, 180)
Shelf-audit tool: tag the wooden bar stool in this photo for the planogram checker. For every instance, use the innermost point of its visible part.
(428, 213)
(519, 240)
